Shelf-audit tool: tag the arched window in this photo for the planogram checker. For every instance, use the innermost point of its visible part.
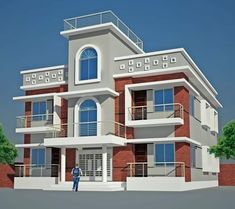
(88, 64)
(88, 118)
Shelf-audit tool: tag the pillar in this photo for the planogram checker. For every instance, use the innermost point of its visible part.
(62, 166)
(104, 164)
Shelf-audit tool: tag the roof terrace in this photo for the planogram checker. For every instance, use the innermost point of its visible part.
(101, 18)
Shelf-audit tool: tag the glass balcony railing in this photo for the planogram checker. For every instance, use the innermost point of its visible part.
(101, 18)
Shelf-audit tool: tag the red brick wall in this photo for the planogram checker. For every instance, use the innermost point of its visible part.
(7, 174)
(182, 154)
(61, 88)
(227, 175)
(122, 156)
(70, 163)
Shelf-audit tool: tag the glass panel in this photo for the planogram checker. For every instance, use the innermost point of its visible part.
(88, 105)
(83, 69)
(43, 107)
(168, 99)
(93, 68)
(84, 116)
(83, 129)
(159, 153)
(159, 100)
(41, 156)
(169, 153)
(35, 108)
(92, 115)
(34, 156)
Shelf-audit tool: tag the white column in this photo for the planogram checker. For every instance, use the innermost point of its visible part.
(104, 164)
(63, 162)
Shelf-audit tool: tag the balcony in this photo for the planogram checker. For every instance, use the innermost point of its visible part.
(101, 18)
(155, 115)
(34, 123)
(87, 134)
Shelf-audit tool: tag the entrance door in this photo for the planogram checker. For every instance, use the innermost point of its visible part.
(90, 161)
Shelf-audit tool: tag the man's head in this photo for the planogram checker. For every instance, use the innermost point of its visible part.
(76, 165)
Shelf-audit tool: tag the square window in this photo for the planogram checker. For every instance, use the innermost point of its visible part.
(173, 60)
(164, 65)
(131, 69)
(131, 62)
(164, 58)
(155, 62)
(138, 64)
(53, 75)
(146, 60)
(146, 67)
(122, 67)
(40, 77)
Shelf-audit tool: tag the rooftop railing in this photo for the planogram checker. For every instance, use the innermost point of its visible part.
(146, 112)
(101, 18)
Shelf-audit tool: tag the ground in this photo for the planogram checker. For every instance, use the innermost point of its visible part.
(213, 198)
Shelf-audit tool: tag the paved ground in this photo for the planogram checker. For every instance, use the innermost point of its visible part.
(214, 198)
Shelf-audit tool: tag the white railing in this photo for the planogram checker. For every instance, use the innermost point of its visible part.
(33, 170)
(27, 121)
(174, 110)
(145, 169)
(96, 128)
(100, 18)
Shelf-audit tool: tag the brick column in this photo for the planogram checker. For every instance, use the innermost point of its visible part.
(70, 163)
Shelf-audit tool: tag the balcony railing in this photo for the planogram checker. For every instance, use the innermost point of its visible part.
(100, 18)
(174, 110)
(33, 170)
(156, 169)
(34, 120)
(96, 128)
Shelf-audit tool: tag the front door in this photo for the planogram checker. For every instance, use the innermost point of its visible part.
(90, 161)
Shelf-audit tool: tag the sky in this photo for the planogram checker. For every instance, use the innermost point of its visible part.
(30, 38)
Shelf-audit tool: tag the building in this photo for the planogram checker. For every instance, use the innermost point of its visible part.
(131, 119)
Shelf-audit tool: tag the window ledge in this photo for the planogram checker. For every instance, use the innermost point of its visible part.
(87, 81)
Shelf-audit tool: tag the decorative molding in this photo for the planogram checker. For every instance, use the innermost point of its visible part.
(122, 67)
(33, 82)
(164, 58)
(53, 75)
(147, 67)
(27, 79)
(47, 73)
(164, 65)
(131, 69)
(34, 75)
(131, 62)
(40, 77)
(155, 62)
(173, 60)
(138, 64)
(147, 60)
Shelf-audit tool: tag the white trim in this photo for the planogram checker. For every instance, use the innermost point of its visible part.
(43, 85)
(43, 69)
(164, 140)
(77, 65)
(89, 92)
(76, 112)
(103, 26)
(36, 96)
(29, 145)
(42, 129)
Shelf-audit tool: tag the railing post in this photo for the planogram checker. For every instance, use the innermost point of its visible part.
(130, 170)
(143, 168)
(165, 167)
(24, 168)
(41, 170)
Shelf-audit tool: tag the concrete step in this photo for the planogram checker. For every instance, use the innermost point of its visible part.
(89, 186)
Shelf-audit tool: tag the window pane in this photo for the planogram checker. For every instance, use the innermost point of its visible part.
(41, 156)
(159, 152)
(43, 108)
(83, 69)
(168, 99)
(191, 110)
(35, 108)
(159, 100)
(92, 129)
(93, 68)
(84, 116)
(34, 156)
(169, 153)
(92, 115)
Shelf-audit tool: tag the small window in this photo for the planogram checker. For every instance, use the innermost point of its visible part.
(88, 64)
(39, 110)
(192, 107)
(38, 157)
(164, 100)
(164, 153)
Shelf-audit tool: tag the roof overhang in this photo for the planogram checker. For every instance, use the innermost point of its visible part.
(90, 141)
(29, 145)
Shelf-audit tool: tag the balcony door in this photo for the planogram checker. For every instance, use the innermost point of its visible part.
(139, 110)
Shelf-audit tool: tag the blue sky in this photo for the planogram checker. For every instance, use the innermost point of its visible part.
(29, 38)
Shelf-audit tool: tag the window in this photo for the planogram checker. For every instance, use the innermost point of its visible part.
(88, 64)
(163, 100)
(38, 157)
(88, 118)
(39, 111)
(164, 153)
(192, 108)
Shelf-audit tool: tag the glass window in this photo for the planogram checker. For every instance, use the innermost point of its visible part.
(39, 110)
(88, 64)
(192, 109)
(164, 100)
(38, 156)
(88, 118)
(164, 153)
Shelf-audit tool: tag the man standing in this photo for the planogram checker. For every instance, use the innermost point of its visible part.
(76, 172)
